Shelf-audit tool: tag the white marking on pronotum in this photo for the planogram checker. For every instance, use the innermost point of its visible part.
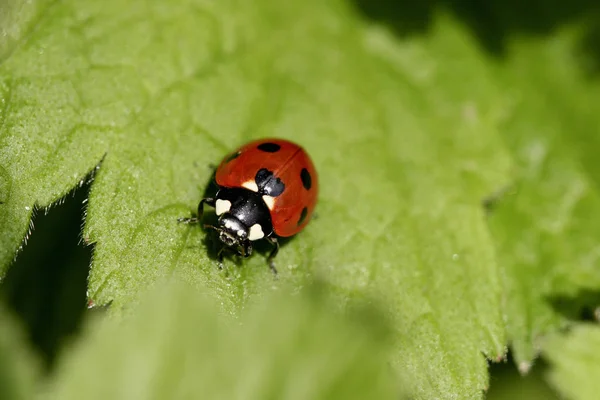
(250, 185)
(269, 201)
(256, 232)
(240, 232)
(222, 206)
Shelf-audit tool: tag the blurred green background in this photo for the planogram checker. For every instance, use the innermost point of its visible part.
(46, 287)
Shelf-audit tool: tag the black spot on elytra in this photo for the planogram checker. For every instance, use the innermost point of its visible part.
(306, 179)
(302, 216)
(268, 184)
(232, 156)
(269, 147)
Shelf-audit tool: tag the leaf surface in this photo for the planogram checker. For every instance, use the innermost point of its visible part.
(575, 361)
(408, 136)
(19, 368)
(546, 223)
(176, 345)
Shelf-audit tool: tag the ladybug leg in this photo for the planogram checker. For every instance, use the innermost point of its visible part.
(246, 249)
(195, 220)
(208, 200)
(274, 252)
(221, 250)
(220, 256)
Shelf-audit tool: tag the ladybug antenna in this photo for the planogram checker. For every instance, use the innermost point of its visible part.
(207, 226)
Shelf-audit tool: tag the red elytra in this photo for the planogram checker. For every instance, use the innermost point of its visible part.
(289, 162)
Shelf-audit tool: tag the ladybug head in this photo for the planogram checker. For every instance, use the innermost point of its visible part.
(232, 232)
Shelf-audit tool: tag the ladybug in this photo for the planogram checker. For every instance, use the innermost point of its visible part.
(267, 189)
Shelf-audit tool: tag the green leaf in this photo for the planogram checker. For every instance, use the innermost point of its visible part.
(176, 345)
(547, 223)
(19, 369)
(575, 361)
(17, 18)
(408, 135)
(507, 383)
(158, 92)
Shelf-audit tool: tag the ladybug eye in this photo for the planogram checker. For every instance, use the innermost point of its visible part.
(269, 147)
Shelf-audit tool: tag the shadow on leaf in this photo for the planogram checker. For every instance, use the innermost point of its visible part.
(47, 284)
(582, 307)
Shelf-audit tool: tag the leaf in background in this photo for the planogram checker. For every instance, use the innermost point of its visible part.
(575, 361)
(176, 346)
(507, 383)
(19, 369)
(547, 226)
(539, 97)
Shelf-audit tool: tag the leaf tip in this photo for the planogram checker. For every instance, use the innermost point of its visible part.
(524, 367)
